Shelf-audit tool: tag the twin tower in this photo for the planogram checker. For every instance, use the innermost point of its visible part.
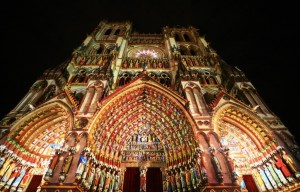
(145, 112)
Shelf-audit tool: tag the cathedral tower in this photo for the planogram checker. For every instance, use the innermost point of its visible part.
(145, 112)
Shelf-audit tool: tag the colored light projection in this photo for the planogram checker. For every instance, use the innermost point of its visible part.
(135, 118)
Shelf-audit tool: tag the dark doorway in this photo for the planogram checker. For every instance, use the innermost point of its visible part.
(34, 183)
(154, 180)
(250, 183)
(132, 180)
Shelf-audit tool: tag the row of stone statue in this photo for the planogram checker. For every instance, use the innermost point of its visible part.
(13, 174)
(95, 177)
(185, 178)
(99, 178)
(195, 61)
(143, 156)
(144, 62)
(82, 76)
(277, 172)
(90, 175)
(197, 76)
(144, 146)
(99, 60)
(144, 137)
(145, 41)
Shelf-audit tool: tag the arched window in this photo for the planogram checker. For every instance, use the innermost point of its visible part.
(101, 49)
(210, 80)
(80, 76)
(137, 74)
(47, 95)
(78, 96)
(194, 50)
(201, 79)
(177, 38)
(117, 32)
(125, 78)
(183, 50)
(186, 37)
(165, 79)
(66, 74)
(192, 101)
(107, 32)
(11, 120)
(153, 75)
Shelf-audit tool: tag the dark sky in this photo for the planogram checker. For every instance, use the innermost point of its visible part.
(259, 38)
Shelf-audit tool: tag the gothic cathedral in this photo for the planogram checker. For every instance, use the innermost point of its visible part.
(136, 112)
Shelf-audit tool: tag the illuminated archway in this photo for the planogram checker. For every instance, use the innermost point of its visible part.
(40, 132)
(143, 104)
(251, 144)
(235, 122)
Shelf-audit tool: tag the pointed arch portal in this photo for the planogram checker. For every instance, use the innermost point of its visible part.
(245, 132)
(252, 145)
(32, 143)
(146, 126)
(40, 132)
(142, 121)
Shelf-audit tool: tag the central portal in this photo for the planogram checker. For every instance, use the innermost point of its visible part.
(143, 179)
(142, 135)
(143, 157)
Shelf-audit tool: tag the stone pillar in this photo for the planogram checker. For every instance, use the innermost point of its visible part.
(259, 102)
(34, 94)
(35, 97)
(53, 163)
(201, 104)
(37, 94)
(250, 99)
(216, 164)
(87, 100)
(24, 101)
(98, 94)
(67, 162)
(230, 164)
(191, 99)
(80, 156)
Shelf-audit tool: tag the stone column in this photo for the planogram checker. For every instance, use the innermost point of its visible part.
(200, 102)
(191, 99)
(258, 101)
(98, 94)
(250, 99)
(87, 100)
(24, 101)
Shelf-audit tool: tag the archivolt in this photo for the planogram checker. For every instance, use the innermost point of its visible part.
(40, 128)
(248, 123)
(139, 106)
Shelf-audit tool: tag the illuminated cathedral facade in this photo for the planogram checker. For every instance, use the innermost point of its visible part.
(139, 112)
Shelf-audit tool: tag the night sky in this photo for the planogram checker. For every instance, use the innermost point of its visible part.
(259, 38)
